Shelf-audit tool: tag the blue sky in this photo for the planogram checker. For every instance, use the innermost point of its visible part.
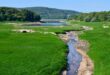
(78, 5)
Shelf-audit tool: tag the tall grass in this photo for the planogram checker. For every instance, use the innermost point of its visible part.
(30, 53)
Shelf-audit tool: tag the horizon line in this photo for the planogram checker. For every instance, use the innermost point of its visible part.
(57, 8)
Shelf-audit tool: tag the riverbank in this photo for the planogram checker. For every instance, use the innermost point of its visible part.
(30, 53)
(99, 50)
(86, 66)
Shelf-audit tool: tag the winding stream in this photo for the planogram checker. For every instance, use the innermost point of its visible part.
(74, 58)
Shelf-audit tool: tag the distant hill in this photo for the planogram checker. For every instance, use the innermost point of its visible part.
(52, 13)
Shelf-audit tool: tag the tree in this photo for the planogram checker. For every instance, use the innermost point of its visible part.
(12, 14)
(94, 17)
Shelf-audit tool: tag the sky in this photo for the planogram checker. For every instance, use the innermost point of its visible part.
(78, 5)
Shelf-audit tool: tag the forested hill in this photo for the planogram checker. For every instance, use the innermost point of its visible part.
(52, 13)
(14, 14)
(94, 16)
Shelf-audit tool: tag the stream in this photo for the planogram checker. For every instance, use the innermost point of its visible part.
(73, 58)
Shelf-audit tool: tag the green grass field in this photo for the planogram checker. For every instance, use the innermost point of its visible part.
(44, 54)
(99, 40)
(31, 53)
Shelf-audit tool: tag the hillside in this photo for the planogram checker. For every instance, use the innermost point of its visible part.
(52, 13)
(13, 14)
(94, 16)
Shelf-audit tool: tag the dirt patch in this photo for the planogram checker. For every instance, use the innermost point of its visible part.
(87, 28)
(86, 65)
(83, 45)
(24, 30)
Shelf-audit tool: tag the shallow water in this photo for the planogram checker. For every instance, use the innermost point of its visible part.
(53, 24)
(74, 58)
(47, 24)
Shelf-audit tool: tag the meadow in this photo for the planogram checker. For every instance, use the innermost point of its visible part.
(99, 39)
(31, 53)
(45, 54)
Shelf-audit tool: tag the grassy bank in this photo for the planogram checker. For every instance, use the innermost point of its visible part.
(99, 45)
(44, 54)
(31, 53)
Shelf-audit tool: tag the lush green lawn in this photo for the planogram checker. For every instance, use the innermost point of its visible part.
(31, 53)
(99, 40)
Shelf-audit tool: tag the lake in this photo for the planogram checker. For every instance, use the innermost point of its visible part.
(45, 24)
(53, 24)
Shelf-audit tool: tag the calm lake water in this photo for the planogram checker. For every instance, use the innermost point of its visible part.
(46, 24)
(54, 24)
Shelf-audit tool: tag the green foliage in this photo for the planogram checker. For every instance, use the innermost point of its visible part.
(13, 14)
(93, 17)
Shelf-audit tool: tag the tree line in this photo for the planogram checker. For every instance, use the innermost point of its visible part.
(93, 17)
(14, 14)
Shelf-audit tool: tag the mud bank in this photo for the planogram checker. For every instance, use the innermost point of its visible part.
(86, 66)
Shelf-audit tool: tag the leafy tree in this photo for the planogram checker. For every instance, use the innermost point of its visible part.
(13, 14)
(94, 16)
